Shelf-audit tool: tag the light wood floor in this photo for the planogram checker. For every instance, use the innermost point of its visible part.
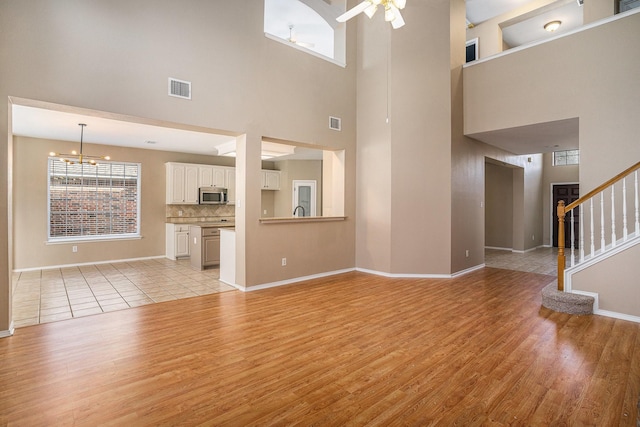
(353, 349)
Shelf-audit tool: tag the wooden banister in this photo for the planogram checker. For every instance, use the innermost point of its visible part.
(601, 187)
(562, 211)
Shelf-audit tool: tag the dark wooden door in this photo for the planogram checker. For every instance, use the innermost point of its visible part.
(569, 193)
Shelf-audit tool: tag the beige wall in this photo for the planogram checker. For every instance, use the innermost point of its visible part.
(554, 175)
(615, 280)
(404, 165)
(498, 206)
(590, 80)
(30, 248)
(117, 57)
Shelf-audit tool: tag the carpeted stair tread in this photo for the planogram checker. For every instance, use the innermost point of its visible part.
(566, 302)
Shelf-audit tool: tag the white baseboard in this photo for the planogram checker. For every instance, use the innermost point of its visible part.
(113, 261)
(616, 315)
(419, 276)
(404, 275)
(9, 332)
(290, 281)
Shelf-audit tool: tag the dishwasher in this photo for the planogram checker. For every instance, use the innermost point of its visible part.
(205, 250)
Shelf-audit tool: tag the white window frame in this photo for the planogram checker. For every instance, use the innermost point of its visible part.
(94, 237)
(565, 154)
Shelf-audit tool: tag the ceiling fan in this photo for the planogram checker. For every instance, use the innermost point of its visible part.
(369, 7)
(294, 41)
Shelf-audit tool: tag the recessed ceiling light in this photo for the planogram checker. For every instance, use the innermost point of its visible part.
(552, 26)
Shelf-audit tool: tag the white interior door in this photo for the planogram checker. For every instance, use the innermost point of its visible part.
(304, 198)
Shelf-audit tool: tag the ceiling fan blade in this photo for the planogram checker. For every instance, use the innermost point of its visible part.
(354, 11)
(371, 10)
(399, 21)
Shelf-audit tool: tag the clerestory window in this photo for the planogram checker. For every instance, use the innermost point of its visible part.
(308, 25)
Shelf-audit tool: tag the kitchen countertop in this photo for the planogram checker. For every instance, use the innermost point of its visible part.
(203, 221)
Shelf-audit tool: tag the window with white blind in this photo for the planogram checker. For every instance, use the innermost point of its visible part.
(88, 202)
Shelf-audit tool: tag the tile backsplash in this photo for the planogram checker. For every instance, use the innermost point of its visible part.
(198, 212)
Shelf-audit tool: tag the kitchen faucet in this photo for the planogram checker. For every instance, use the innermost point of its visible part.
(301, 207)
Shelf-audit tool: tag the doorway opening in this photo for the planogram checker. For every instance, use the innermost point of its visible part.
(569, 193)
(304, 198)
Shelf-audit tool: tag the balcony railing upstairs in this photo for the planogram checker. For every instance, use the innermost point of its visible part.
(603, 209)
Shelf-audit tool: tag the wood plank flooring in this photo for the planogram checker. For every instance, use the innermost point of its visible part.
(352, 349)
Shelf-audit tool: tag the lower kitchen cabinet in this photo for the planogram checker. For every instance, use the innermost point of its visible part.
(205, 246)
(177, 241)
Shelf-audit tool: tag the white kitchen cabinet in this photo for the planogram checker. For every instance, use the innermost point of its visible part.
(212, 176)
(230, 182)
(270, 180)
(182, 183)
(177, 241)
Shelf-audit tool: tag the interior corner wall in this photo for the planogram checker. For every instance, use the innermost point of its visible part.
(498, 206)
(404, 172)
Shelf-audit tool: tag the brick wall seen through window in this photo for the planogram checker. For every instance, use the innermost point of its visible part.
(93, 201)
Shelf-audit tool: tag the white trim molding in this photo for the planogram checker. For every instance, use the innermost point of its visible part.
(9, 332)
(289, 281)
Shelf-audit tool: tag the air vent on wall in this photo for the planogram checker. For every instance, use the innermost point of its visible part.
(335, 123)
(179, 88)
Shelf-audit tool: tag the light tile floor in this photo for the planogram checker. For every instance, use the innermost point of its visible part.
(48, 295)
(541, 260)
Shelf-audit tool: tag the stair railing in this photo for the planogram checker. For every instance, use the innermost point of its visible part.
(601, 214)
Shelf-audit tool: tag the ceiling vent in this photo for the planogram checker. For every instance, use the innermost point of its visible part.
(335, 123)
(179, 88)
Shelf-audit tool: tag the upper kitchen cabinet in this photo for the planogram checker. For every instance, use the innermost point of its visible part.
(270, 180)
(182, 184)
(212, 176)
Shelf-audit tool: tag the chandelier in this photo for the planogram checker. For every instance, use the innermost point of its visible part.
(81, 158)
(369, 7)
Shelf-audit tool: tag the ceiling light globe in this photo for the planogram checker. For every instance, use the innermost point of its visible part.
(552, 26)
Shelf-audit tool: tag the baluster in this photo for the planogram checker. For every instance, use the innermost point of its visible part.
(624, 209)
(593, 237)
(581, 218)
(637, 215)
(573, 258)
(602, 242)
(613, 216)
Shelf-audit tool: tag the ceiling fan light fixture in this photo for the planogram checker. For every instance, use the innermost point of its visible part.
(552, 26)
(400, 4)
(389, 16)
(371, 10)
(369, 7)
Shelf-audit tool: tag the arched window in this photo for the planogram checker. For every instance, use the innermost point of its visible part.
(308, 25)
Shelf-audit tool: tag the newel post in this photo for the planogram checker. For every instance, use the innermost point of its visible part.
(561, 258)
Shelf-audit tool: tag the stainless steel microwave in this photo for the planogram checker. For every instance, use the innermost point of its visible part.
(213, 196)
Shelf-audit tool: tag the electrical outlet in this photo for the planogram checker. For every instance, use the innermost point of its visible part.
(284, 262)
(533, 237)
(179, 213)
(265, 212)
(74, 248)
(466, 253)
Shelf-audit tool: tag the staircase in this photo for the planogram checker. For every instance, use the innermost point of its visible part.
(609, 224)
